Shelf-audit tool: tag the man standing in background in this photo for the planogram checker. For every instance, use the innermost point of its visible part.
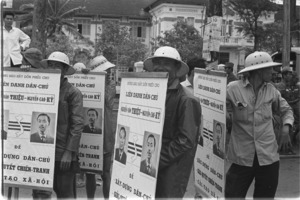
(229, 71)
(14, 41)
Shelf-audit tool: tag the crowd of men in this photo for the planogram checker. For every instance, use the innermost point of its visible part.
(252, 104)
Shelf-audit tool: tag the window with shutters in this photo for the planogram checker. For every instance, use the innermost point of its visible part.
(138, 29)
(223, 28)
(83, 26)
(230, 27)
(190, 21)
(223, 57)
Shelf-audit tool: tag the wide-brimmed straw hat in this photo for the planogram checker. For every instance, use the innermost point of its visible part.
(167, 52)
(100, 63)
(34, 56)
(258, 60)
(60, 57)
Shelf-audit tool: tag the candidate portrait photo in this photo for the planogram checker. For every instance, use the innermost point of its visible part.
(122, 142)
(42, 127)
(149, 154)
(93, 120)
(218, 146)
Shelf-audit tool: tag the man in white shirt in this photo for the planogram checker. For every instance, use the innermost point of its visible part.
(14, 41)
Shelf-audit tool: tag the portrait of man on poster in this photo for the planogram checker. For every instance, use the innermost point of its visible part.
(218, 138)
(147, 165)
(92, 117)
(42, 135)
(120, 154)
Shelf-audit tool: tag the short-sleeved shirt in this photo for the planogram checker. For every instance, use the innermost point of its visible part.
(252, 129)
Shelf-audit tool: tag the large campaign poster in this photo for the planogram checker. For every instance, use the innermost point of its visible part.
(209, 164)
(30, 118)
(138, 135)
(92, 87)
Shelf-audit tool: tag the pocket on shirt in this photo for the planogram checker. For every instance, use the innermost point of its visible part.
(241, 113)
(266, 110)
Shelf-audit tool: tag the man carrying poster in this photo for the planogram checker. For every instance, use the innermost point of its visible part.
(181, 125)
(147, 166)
(42, 136)
(69, 130)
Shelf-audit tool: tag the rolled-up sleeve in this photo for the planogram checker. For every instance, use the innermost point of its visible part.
(282, 107)
(24, 39)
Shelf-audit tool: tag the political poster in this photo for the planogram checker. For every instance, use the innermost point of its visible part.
(212, 36)
(92, 87)
(138, 135)
(30, 101)
(209, 164)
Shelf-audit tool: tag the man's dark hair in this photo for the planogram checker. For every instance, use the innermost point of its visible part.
(218, 124)
(229, 65)
(122, 128)
(152, 136)
(92, 109)
(8, 13)
(43, 114)
(196, 62)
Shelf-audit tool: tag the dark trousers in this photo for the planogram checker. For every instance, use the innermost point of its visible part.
(63, 185)
(239, 179)
(91, 179)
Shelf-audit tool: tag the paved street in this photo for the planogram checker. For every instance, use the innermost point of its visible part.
(288, 187)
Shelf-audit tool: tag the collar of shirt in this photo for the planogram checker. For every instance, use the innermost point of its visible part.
(247, 83)
(175, 84)
(91, 127)
(12, 29)
(186, 83)
(148, 164)
(42, 135)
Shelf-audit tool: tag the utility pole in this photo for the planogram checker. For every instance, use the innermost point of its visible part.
(286, 34)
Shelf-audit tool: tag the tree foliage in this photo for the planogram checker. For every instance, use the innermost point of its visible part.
(271, 37)
(39, 36)
(58, 13)
(185, 38)
(250, 11)
(118, 46)
(60, 43)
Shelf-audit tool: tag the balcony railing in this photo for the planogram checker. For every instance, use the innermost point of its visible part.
(236, 41)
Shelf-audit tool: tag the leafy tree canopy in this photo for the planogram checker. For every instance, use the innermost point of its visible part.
(183, 37)
(118, 46)
(271, 37)
(60, 43)
(250, 11)
(58, 13)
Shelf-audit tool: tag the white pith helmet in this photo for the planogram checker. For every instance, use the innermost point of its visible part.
(100, 63)
(167, 52)
(258, 60)
(60, 57)
(79, 66)
(221, 67)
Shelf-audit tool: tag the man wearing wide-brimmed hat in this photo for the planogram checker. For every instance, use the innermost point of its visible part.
(101, 64)
(181, 126)
(69, 128)
(253, 148)
(32, 57)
